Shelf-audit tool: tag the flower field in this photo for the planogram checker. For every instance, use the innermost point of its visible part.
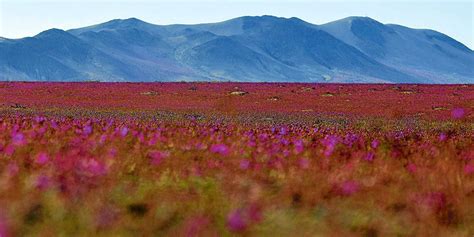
(225, 159)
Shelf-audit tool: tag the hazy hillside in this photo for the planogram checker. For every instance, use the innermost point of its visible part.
(265, 48)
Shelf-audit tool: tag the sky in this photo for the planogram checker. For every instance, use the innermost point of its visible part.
(21, 18)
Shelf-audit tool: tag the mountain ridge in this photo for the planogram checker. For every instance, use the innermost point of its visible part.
(250, 48)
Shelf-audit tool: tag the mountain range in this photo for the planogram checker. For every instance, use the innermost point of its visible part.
(253, 49)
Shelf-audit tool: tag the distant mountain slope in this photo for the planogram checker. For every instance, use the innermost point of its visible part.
(426, 54)
(265, 48)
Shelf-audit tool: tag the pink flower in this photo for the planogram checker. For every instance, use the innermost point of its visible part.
(236, 221)
(102, 139)
(3, 227)
(434, 200)
(157, 156)
(18, 139)
(124, 131)
(299, 146)
(244, 164)
(348, 188)
(469, 169)
(458, 113)
(42, 158)
(330, 143)
(255, 212)
(9, 150)
(87, 130)
(220, 149)
(442, 137)
(374, 144)
(92, 167)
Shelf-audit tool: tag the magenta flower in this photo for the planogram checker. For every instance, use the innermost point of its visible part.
(3, 227)
(434, 200)
(220, 149)
(124, 131)
(9, 150)
(348, 188)
(330, 143)
(18, 139)
(442, 137)
(236, 221)
(255, 212)
(469, 169)
(299, 146)
(369, 157)
(92, 167)
(458, 113)
(157, 157)
(102, 139)
(42, 158)
(87, 130)
(374, 144)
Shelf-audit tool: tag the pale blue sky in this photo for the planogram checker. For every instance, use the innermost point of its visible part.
(20, 18)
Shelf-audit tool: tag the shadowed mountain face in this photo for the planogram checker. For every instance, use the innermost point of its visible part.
(429, 55)
(254, 49)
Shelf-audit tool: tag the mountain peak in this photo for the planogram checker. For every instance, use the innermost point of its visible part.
(357, 19)
(129, 22)
(54, 32)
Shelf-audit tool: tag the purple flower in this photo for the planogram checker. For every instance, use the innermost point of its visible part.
(458, 113)
(442, 137)
(220, 149)
(369, 157)
(375, 143)
(236, 221)
(18, 139)
(87, 130)
(124, 131)
(299, 146)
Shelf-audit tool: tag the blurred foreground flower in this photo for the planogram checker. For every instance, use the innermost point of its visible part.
(458, 113)
(220, 149)
(236, 221)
